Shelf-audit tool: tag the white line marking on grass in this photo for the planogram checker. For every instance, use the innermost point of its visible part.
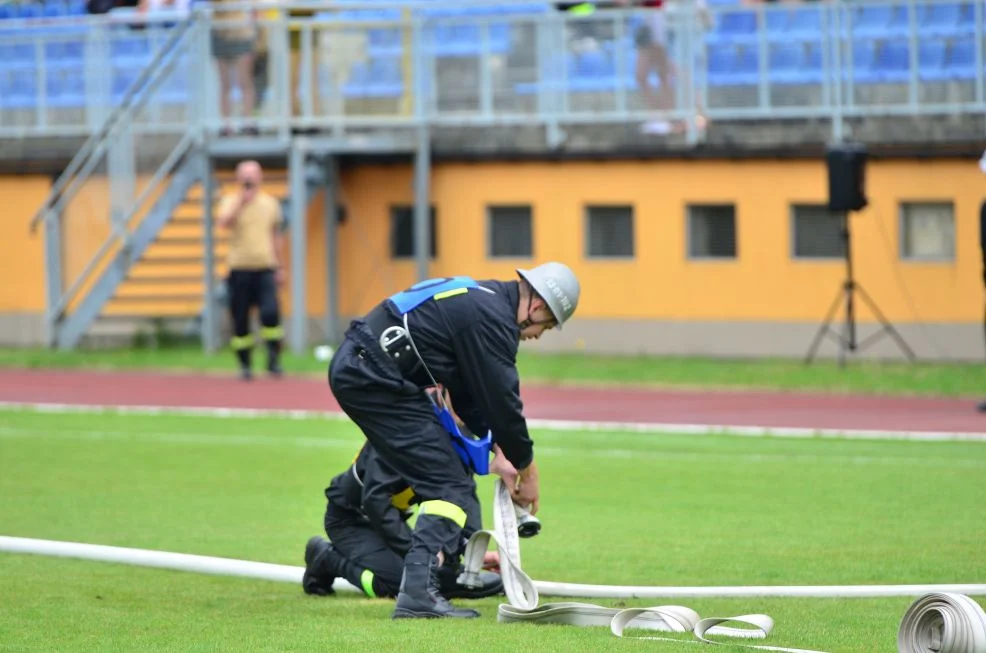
(291, 574)
(218, 439)
(327, 442)
(545, 424)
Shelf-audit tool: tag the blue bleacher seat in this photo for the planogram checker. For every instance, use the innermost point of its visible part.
(29, 10)
(806, 23)
(122, 79)
(54, 9)
(130, 49)
(814, 68)
(787, 60)
(863, 57)
(522, 9)
(174, 89)
(943, 18)
(931, 60)
(777, 18)
(21, 90)
(730, 66)
(734, 27)
(65, 90)
(893, 63)
(872, 21)
(900, 22)
(592, 71)
(21, 53)
(960, 62)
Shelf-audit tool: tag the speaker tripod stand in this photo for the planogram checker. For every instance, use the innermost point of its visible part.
(847, 339)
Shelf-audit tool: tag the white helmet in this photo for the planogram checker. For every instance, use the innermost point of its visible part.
(557, 285)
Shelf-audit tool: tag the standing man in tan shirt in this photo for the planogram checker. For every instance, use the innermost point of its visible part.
(256, 248)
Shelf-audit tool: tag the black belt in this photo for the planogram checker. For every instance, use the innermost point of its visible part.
(392, 340)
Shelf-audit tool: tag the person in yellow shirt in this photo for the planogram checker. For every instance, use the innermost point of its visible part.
(255, 222)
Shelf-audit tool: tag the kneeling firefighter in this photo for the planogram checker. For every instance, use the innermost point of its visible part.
(366, 514)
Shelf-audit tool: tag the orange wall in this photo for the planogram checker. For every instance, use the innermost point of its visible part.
(21, 253)
(763, 283)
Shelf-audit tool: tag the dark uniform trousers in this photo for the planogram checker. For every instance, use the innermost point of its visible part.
(366, 515)
(248, 288)
(372, 565)
(399, 422)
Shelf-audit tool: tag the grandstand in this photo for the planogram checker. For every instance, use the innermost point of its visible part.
(385, 108)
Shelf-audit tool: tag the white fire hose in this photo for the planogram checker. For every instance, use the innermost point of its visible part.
(943, 622)
(940, 620)
(935, 623)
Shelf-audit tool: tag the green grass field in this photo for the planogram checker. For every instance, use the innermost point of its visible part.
(858, 377)
(617, 508)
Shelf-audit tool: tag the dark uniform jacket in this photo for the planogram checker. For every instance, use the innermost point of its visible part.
(369, 491)
(469, 342)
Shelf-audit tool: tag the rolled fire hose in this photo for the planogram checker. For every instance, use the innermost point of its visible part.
(942, 622)
(935, 623)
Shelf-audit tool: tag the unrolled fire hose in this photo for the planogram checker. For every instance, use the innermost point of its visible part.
(934, 623)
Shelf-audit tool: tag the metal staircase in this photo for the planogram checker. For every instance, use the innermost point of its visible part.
(129, 181)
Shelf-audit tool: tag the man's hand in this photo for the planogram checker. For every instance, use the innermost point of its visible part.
(502, 468)
(247, 193)
(491, 561)
(525, 491)
(280, 276)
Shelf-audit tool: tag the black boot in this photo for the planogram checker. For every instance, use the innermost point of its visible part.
(243, 356)
(492, 584)
(319, 570)
(274, 359)
(419, 597)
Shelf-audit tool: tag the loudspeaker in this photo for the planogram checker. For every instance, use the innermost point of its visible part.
(847, 177)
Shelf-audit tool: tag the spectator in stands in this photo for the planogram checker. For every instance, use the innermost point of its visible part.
(157, 10)
(653, 40)
(234, 42)
(178, 8)
(255, 221)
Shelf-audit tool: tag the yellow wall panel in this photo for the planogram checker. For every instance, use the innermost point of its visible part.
(22, 253)
(659, 282)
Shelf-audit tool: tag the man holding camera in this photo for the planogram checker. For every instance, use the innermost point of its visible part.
(254, 220)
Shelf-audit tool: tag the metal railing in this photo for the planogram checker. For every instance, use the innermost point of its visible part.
(111, 185)
(431, 62)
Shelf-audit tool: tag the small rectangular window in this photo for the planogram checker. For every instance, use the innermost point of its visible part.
(927, 231)
(402, 232)
(817, 232)
(712, 231)
(510, 232)
(610, 232)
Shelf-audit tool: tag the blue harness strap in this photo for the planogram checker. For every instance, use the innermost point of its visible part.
(419, 293)
(474, 452)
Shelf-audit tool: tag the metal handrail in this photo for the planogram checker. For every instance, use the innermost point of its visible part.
(118, 232)
(88, 153)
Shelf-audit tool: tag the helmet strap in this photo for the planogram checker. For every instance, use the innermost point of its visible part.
(530, 300)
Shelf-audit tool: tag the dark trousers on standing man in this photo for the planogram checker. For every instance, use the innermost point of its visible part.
(399, 422)
(249, 288)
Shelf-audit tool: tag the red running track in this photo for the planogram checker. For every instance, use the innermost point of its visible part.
(761, 409)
